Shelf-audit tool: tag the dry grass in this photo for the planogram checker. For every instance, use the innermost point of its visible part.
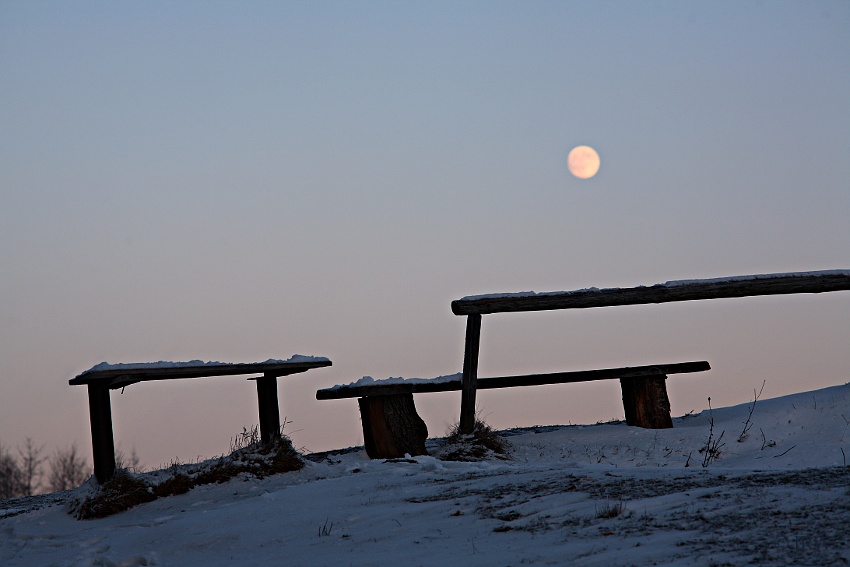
(482, 443)
(611, 510)
(176, 484)
(125, 489)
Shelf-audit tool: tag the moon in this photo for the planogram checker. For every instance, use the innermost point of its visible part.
(583, 162)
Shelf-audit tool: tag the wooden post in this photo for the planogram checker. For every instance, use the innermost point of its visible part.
(269, 408)
(391, 427)
(470, 374)
(103, 444)
(646, 403)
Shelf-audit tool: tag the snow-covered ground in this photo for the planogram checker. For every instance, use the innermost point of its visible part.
(602, 494)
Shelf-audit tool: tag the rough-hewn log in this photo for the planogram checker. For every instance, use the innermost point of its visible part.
(738, 286)
(591, 375)
(646, 403)
(393, 388)
(391, 427)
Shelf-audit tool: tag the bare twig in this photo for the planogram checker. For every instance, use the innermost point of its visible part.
(711, 450)
(247, 438)
(780, 454)
(748, 424)
(764, 442)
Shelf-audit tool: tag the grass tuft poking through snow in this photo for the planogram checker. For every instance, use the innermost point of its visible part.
(124, 490)
(611, 510)
(249, 457)
(482, 443)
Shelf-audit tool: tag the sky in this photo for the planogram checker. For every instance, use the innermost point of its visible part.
(243, 181)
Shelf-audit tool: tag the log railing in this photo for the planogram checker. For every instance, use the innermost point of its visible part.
(689, 290)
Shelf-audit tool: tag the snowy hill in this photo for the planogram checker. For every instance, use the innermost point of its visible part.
(602, 494)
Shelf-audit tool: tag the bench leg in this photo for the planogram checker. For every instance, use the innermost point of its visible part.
(391, 427)
(269, 408)
(103, 443)
(646, 403)
(466, 425)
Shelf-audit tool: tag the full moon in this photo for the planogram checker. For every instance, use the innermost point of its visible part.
(583, 162)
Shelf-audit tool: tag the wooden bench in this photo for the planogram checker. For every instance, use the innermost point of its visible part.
(392, 428)
(105, 377)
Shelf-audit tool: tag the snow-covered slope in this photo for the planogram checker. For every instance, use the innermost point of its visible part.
(603, 494)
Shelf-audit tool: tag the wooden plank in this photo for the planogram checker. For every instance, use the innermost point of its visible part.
(466, 424)
(343, 392)
(739, 286)
(591, 375)
(121, 377)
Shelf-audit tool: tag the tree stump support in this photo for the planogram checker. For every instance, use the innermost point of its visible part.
(391, 427)
(646, 403)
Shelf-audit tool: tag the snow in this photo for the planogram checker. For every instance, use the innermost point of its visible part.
(169, 364)
(369, 381)
(527, 294)
(673, 283)
(604, 494)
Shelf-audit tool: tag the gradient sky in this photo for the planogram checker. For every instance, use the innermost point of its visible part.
(242, 181)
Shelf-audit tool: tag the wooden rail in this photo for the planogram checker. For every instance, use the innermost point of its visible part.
(741, 286)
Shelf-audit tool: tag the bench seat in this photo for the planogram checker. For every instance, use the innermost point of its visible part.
(392, 428)
(453, 382)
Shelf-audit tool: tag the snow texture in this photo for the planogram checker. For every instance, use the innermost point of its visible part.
(168, 364)
(369, 381)
(673, 283)
(605, 494)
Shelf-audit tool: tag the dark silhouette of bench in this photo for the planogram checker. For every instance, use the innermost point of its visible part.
(392, 428)
(105, 377)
